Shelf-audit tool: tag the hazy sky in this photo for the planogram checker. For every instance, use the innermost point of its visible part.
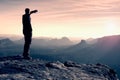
(58, 18)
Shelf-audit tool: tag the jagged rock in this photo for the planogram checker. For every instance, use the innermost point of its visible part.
(16, 68)
(57, 65)
(71, 64)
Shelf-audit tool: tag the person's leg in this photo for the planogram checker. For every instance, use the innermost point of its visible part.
(27, 45)
(26, 49)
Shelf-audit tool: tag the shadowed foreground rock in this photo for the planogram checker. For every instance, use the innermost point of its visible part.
(16, 68)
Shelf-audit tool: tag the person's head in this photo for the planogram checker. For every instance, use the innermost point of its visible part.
(27, 11)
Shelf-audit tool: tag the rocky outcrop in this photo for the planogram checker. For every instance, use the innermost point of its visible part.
(16, 68)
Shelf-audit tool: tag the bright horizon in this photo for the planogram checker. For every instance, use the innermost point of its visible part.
(61, 18)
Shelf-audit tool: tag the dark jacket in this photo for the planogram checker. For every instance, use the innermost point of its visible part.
(26, 21)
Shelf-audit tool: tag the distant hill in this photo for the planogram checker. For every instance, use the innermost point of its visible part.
(8, 47)
(11, 37)
(48, 43)
(97, 50)
(6, 42)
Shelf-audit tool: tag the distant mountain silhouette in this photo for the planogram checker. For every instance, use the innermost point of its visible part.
(104, 46)
(48, 43)
(8, 47)
(105, 50)
(11, 37)
(6, 42)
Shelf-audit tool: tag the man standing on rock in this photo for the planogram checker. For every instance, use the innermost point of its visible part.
(27, 31)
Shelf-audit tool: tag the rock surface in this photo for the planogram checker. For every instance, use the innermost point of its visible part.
(16, 68)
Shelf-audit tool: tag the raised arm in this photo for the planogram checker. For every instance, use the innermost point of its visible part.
(34, 11)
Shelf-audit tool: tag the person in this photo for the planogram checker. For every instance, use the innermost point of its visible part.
(27, 31)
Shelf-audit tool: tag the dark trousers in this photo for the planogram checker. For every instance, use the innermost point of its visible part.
(28, 39)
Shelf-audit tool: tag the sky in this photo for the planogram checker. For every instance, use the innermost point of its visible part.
(62, 18)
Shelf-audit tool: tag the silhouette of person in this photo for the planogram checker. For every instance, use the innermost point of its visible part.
(27, 31)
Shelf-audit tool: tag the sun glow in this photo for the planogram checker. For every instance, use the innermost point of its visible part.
(111, 27)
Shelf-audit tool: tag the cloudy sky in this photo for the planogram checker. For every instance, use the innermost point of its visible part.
(58, 18)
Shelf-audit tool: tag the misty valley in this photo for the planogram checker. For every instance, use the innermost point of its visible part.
(104, 50)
